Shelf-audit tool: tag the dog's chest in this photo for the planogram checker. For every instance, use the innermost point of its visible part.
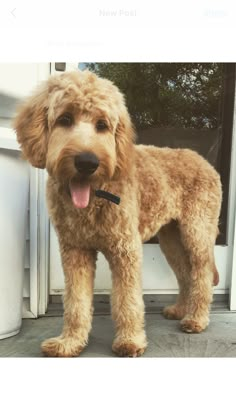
(90, 228)
(100, 226)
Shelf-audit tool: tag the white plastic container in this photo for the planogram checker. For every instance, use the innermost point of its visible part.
(14, 190)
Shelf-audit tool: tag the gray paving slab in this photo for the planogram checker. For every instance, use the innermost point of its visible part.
(164, 336)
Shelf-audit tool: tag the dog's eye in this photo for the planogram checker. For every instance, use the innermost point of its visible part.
(66, 120)
(101, 125)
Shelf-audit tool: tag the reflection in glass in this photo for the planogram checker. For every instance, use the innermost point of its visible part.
(171, 104)
(181, 105)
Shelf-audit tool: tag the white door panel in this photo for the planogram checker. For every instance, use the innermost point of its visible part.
(17, 80)
(157, 275)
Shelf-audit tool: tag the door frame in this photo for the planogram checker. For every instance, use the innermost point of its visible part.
(231, 226)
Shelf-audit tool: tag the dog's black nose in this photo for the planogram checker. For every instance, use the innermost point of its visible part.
(86, 163)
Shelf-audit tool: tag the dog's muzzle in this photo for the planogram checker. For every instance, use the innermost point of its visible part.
(86, 163)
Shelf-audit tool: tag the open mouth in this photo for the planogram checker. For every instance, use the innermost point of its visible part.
(80, 193)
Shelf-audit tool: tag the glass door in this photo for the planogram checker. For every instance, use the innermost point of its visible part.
(179, 105)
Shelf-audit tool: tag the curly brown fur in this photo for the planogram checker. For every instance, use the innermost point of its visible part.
(173, 192)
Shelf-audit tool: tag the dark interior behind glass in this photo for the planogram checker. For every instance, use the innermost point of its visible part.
(187, 105)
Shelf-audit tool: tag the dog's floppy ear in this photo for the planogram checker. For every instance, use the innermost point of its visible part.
(125, 137)
(31, 127)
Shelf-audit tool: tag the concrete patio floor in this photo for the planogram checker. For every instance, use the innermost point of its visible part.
(164, 336)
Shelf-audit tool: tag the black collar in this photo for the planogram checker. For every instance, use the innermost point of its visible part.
(108, 196)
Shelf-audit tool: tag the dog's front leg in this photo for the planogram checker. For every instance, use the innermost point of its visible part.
(127, 302)
(79, 268)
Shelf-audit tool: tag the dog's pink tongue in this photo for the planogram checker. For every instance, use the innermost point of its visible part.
(80, 193)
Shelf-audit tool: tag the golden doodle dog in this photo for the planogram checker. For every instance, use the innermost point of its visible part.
(77, 126)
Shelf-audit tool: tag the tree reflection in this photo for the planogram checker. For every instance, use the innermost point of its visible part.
(186, 95)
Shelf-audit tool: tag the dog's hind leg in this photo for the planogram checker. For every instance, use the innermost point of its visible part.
(177, 257)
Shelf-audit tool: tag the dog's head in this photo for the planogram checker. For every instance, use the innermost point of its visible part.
(77, 126)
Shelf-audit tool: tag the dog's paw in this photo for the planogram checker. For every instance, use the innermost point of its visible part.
(173, 312)
(191, 325)
(61, 347)
(129, 348)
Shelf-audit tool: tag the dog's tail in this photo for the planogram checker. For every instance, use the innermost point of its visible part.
(215, 275)
(216, 278)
